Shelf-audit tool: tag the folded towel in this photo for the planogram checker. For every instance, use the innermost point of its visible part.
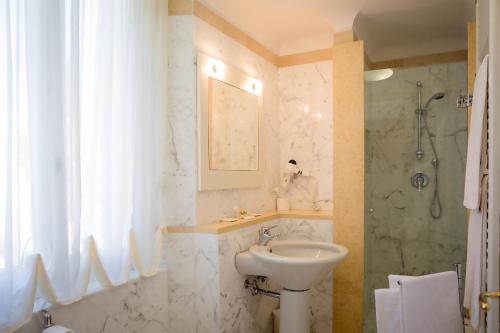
(395, 280)
(472, 190)
(430, 304)
(388, 310)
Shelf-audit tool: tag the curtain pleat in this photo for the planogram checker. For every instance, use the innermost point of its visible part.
(82, 105)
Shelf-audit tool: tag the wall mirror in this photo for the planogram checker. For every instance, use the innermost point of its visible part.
(229, 135)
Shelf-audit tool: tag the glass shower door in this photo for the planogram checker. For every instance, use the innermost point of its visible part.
(401, 236)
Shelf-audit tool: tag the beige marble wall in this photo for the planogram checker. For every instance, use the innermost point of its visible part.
(348, 183)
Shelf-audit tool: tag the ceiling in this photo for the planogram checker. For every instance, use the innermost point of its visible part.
(292, 26)
(410, 28)
(284, 25)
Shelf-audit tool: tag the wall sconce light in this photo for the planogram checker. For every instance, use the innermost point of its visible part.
(256, 86)
(218, 68)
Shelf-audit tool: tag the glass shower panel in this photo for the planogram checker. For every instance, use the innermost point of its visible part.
(401, 237)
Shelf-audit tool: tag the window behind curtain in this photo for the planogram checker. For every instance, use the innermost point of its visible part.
(82, 100)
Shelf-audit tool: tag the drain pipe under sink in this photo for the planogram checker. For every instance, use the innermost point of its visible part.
(255, 290)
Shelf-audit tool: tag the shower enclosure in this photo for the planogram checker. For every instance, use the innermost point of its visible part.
(415, 157)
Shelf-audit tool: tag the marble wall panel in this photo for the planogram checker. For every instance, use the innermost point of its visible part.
(193, 283)
(306, 131)
(138, 306)
(180, 146)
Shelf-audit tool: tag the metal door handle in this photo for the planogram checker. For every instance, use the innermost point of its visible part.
(483, 299)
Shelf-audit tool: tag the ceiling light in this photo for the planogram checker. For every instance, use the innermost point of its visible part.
(378, 74)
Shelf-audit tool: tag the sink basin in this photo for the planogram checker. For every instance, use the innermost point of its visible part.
(295, 265)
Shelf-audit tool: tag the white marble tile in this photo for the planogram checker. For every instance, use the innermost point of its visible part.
(138, 306)
(306, 122)
(180, 146)
(193, 283)
(239, 310)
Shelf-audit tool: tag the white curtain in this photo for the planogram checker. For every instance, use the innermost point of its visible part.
(82, 99)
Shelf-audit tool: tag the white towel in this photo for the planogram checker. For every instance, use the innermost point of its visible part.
(472, 190)
(430, 304)
(474, 276)
(388, 310)
(394, 280)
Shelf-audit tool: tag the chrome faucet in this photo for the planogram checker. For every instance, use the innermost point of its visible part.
(265, 235)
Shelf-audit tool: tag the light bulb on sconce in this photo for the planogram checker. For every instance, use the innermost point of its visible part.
(256, 86)
(306, 109)
(319, 116)
(218, 68)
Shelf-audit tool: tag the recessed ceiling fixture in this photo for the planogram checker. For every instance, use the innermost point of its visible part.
(378, 74)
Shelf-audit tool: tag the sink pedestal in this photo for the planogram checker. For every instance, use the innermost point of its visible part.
(294, 311)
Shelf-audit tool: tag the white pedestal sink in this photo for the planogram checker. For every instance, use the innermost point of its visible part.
(296, 266)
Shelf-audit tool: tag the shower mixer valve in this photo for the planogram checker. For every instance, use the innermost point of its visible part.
(419, 180)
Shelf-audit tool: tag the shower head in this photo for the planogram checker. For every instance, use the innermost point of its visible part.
(436, 96)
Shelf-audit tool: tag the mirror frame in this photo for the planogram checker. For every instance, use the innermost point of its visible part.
(223, 179)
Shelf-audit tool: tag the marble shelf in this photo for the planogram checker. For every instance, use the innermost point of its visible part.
(222, 227)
